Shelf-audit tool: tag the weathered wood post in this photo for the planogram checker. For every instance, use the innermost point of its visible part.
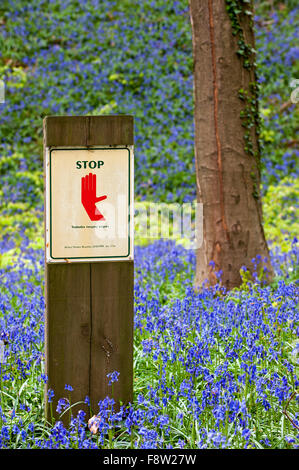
(88, 164)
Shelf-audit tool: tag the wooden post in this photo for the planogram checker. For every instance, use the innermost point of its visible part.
(89, 305)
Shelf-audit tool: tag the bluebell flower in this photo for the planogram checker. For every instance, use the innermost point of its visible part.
(50, 394)
(113, 377)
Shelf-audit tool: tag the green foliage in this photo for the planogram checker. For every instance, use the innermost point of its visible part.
(281, 214)
(235, 9)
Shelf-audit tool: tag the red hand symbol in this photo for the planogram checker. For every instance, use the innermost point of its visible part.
(88, 196)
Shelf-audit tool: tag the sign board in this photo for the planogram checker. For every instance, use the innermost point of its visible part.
(89, 204)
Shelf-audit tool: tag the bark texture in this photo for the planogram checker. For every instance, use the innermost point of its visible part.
(226, 141)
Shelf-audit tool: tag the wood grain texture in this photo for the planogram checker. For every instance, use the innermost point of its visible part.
(89, 306)
(67, 332)
(88, 131)
(112, 330)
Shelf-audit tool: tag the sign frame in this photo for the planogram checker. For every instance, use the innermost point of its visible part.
(48, 206)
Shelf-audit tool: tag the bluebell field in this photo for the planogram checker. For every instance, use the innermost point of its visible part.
(213, 369)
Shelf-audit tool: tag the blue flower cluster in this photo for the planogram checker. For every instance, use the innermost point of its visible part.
(211, 370)
(99, 57)
(103, 57)
(277, 57)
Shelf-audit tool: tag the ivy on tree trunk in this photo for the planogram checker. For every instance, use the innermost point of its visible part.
(227, 152)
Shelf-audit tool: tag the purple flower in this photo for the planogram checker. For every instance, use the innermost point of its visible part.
(113, 377)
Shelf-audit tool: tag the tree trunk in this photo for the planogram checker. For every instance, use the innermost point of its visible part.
(227, 150)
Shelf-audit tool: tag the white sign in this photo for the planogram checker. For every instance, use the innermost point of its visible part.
(89, 204)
